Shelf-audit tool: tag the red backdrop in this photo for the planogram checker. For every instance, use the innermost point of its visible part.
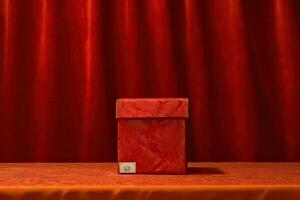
(63, 63)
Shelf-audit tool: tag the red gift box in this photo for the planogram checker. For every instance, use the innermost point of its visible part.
(152, 135)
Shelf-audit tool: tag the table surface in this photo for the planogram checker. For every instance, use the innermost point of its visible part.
(105, 174)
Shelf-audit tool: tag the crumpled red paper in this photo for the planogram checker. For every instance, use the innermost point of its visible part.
(151, 133)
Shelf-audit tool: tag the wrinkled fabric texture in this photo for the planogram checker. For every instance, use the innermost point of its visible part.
(63, 64)
(152, 108)
(207, 181)
(106, 174)
(155, 145)
(152, 134)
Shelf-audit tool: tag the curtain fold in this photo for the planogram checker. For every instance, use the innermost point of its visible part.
(63, 63)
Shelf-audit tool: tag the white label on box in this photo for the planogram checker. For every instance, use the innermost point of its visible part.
(127, 167)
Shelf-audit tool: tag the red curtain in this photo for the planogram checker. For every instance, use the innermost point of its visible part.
(63, 63)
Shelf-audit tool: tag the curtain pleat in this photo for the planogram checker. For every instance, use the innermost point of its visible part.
(63, 63)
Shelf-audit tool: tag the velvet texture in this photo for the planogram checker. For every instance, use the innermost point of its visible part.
(63, 63)
(207, 181)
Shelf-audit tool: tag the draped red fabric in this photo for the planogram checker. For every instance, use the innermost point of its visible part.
(63, 63)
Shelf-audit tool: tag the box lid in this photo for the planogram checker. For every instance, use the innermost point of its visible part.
(152, 108)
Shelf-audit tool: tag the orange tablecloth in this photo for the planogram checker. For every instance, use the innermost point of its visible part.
(76, 181)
